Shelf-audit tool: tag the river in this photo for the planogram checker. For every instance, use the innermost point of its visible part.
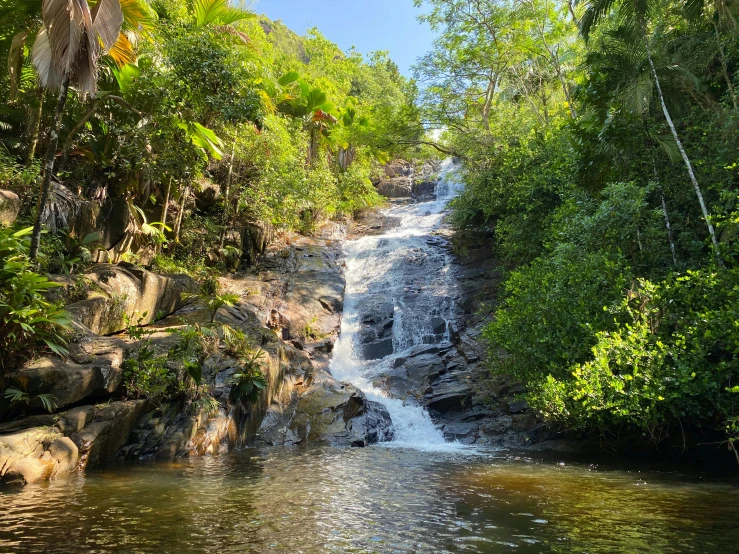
(416, 493)
(375, 499)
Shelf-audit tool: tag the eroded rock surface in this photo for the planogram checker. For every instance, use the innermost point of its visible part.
(49, 446)
(115, 292)
(10, 207)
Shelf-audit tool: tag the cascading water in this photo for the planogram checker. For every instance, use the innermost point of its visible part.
(402, 278)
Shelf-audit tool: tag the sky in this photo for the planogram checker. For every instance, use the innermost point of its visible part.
(368, 25)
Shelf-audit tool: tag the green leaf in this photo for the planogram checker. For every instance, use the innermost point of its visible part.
(288, 78)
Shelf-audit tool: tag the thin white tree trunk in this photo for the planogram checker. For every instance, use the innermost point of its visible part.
(693, 180)
(165, 209)
(35, 125)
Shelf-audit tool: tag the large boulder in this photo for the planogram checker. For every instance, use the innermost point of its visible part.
(255, 237)
(39, 448)
(10, 207)
(117, 292)
(93, 369)
(395, 187)
(327, 412)
(36, 454)
(398, 168)
(424, 190)
(99, 441)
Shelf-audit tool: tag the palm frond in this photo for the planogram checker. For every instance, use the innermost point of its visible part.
(218, 12)
(107, 20)
(61, 207)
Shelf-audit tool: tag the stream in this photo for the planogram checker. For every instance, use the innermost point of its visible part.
(414, 492)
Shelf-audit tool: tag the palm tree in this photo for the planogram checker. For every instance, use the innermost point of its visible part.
(66, 53)
(636, 15)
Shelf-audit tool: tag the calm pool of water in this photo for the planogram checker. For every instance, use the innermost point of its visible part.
(371, 500)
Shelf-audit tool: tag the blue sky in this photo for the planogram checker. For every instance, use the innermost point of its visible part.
(367, 24)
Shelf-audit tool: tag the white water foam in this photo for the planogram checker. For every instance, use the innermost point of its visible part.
(403, 266)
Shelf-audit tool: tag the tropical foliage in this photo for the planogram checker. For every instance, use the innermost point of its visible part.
(601, 146)
(142, 105)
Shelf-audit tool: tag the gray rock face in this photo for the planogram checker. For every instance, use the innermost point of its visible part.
(395, 187)
(398, 168)
(327, 412)
(93, 369)
(10, 207)
(376, 335)
(423, 191)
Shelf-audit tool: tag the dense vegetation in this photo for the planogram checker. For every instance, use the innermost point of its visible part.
(191, 96)
(601, 147)
(175, 134)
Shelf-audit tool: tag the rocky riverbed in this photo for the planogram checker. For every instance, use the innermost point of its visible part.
(292, 300)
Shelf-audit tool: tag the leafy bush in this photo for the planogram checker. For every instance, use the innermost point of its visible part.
(671, 361)
(212, 296)
(249, 382)
(553, 309)
(29, 323)
(145, 374)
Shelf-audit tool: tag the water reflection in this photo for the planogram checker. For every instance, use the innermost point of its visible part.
(370, 500)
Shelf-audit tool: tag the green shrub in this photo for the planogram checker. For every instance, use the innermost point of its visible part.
(552, 310)
(145, 374)
(672, 361)
(29, 323)
(249, 381)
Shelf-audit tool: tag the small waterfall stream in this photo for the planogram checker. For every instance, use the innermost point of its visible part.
(399, 295)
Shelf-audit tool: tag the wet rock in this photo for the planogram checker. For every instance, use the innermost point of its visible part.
(423, 368)
(378, 349)
(424, 189)
(327, 412)
(395, 187)
(10, 207)
(100, 440)
(438, 325)
(517, 406)
(463, 432)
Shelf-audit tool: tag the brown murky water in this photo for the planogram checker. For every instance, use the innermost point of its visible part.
(376, 499)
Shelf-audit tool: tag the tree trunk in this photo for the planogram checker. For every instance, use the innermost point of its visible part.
(49, 165)
(35, 126)
(724, 69)
(693, 180)
(183, 201)
(572, 11)
(226, 195)
(669, 230)
(165, 209)
(489, 95)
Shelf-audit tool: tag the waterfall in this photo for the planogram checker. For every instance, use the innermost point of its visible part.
(400, 282)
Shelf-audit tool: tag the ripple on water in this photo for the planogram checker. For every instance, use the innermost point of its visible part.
(368, 500)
